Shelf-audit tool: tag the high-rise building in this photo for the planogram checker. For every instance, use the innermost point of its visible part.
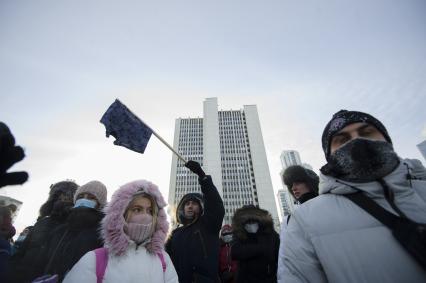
(230, 147)
(289, 158)
(422, 147)
(283, 200)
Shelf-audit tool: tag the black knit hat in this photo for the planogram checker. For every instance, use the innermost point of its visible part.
(297, 173)
(343, 118)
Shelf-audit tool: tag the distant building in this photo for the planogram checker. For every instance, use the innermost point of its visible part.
(229, 145)
(422, 147)
(289, 158)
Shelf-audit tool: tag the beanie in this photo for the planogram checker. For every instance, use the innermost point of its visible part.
(95, 188)
(343, 118)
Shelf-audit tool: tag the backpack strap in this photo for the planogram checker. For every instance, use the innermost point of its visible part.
(101, 263)
(163, 262)
(374, 209)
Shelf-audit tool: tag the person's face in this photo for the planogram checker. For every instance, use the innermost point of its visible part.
(191, 209)
(299, 189)
(140, 205)
(353, 131)
(88, 196)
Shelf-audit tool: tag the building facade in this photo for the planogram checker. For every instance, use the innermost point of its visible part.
(422, 148)
(230, 148)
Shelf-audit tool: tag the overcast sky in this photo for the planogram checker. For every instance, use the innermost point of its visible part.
(62, 63)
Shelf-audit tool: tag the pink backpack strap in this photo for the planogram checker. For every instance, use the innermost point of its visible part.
(163, 262)
(101, 263)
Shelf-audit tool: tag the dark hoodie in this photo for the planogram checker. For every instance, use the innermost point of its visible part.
(194, 247)
(257, 254)
(28, 263)
(70, 241)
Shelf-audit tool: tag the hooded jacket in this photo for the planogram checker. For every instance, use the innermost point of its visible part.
(256, 253)
(331, 239)
(194, 247)
(127, 261)
(72, 240)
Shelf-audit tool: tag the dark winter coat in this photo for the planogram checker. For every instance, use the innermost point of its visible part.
(194, 248)
(70, 241)
(5, 252)
(257, 254)
(28, 263)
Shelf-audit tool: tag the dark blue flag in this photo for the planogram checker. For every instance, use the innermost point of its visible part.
(127, 129)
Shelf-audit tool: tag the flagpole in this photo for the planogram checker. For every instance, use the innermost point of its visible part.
(164, 142)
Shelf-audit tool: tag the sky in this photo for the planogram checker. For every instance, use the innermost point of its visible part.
(62, 63)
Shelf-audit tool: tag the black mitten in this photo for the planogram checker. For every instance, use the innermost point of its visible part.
(9, 155)
(195, 167)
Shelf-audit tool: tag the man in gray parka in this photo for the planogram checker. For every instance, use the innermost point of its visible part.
(330, 238)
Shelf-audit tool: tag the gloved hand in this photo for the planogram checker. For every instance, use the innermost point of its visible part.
(195, 167)
(9, 155)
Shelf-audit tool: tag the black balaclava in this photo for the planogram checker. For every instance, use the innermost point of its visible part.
(343, 118)
(359, 160)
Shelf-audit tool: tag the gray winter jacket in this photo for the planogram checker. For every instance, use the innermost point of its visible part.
(331, 239)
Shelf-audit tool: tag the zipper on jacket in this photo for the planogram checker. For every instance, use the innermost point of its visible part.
(202, 243)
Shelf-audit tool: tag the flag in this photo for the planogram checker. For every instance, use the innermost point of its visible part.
(127, 129)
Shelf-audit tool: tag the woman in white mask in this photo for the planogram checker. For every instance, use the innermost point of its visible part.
(134, 230)
(255, 245)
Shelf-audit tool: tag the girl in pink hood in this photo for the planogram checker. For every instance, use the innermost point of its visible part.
(134, 230)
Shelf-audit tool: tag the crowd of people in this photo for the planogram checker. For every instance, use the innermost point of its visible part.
(361, 220)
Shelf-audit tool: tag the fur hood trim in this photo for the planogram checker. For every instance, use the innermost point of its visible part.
(250, 212)
(112, 226)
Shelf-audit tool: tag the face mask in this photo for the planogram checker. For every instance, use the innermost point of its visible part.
(362, 160)
(82, 202)
(227, 238)
(251, 227)
(139, 227)
(21, 238)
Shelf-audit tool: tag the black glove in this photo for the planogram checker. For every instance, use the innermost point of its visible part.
(9, 155)
(195, 167)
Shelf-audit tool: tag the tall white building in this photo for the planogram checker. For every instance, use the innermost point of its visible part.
(289, 158)
(422, 147)
(283, 199)
(229, 145)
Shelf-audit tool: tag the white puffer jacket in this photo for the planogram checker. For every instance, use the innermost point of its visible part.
(331, 239)
(137, 265)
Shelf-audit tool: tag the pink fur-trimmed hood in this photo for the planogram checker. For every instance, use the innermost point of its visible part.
(112, 231)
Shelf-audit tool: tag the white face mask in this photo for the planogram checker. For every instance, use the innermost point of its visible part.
(251, 227)
(227, 238)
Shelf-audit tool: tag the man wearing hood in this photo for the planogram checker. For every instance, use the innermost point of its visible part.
(332, 239)
(194, 246)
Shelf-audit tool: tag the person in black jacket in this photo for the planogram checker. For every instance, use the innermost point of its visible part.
(79, 235)
(255, 245)
(28, 262)
(194, 246)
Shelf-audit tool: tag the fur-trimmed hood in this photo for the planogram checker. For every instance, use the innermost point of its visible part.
(112, 226)
(250, 212)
